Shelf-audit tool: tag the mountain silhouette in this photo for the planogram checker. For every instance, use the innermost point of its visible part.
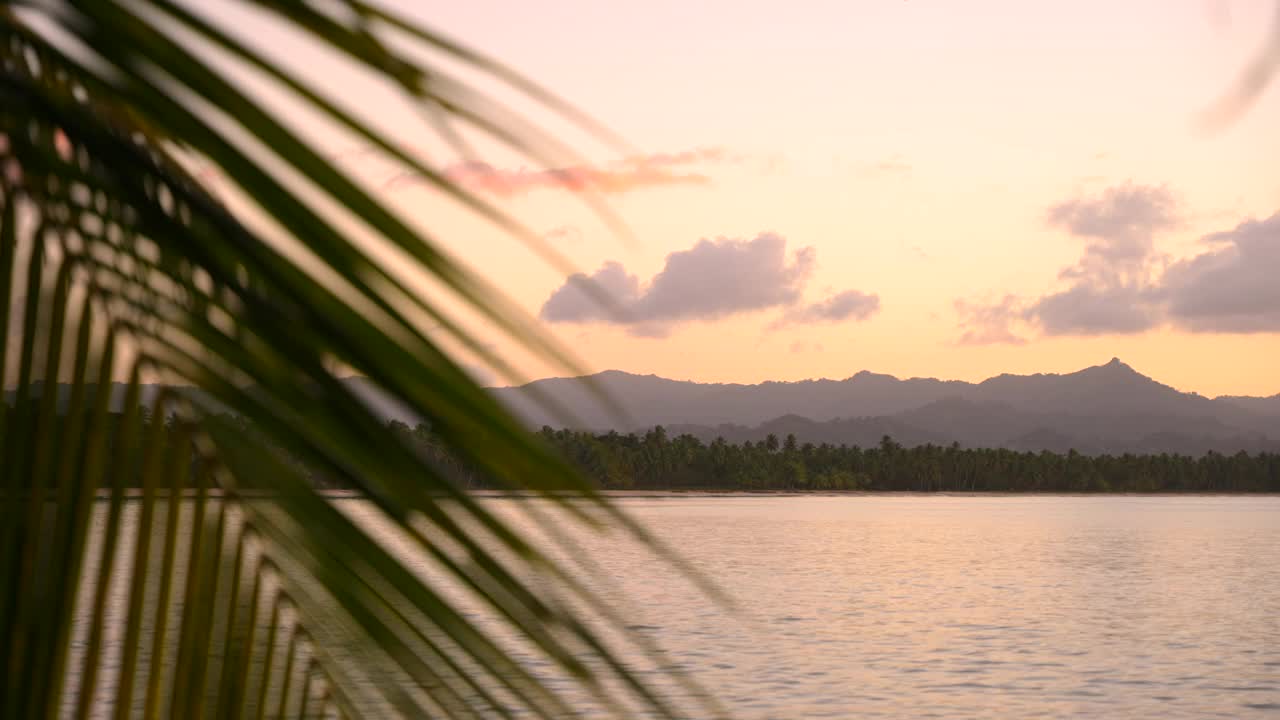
(1109, 408)
(1104, 408)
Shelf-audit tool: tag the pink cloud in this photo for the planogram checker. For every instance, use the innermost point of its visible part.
(685, 157)
(634, 173)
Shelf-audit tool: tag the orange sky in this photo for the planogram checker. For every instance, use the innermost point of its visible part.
(1040, 160)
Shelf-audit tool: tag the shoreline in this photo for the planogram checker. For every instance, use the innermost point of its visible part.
(338, 494)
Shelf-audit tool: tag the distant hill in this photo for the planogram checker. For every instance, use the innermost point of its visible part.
(1261, 406)
(1105, 408)
(864, 432)
(1108, 408)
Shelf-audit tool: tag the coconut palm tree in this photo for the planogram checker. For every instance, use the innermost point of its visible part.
(256, 595)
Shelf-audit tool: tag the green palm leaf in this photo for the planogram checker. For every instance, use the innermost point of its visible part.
(256, 596)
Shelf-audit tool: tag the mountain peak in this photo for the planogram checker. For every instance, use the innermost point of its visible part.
(1105, 407)
(1117, 367)
(868, 375)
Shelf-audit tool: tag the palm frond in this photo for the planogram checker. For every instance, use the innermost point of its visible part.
(250, 593)
(1252, 80)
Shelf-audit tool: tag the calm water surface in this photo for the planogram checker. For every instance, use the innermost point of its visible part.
(934, 606)
(949, 607)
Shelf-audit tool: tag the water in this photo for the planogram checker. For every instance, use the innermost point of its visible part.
(909, 606)
(934, 606)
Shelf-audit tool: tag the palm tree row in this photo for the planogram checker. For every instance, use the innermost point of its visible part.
(653, 460)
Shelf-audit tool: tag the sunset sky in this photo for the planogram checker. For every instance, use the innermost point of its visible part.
(915, 187)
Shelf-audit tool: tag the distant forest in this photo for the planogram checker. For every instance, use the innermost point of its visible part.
(655, 461)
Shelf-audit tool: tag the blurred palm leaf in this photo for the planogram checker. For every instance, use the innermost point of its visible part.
(257, 596)
(1252, 81)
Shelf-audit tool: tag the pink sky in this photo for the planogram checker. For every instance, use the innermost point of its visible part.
(917, 187)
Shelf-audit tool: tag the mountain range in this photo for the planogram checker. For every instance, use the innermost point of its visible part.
(1108, 408)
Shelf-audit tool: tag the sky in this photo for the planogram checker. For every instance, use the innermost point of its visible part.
(913, 187)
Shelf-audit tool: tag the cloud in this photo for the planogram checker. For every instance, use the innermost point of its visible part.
(572, 303)
(1087, 309)
(1110, 288)
(1110, 291)
(633, 173)
(1119, 225)
(989, 323)
(1231, 288)
(711, 280)
(724, 276)
(685, 157)
(837, 308)
(1121, 285)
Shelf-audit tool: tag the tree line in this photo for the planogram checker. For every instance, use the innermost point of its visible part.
(655, 461)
